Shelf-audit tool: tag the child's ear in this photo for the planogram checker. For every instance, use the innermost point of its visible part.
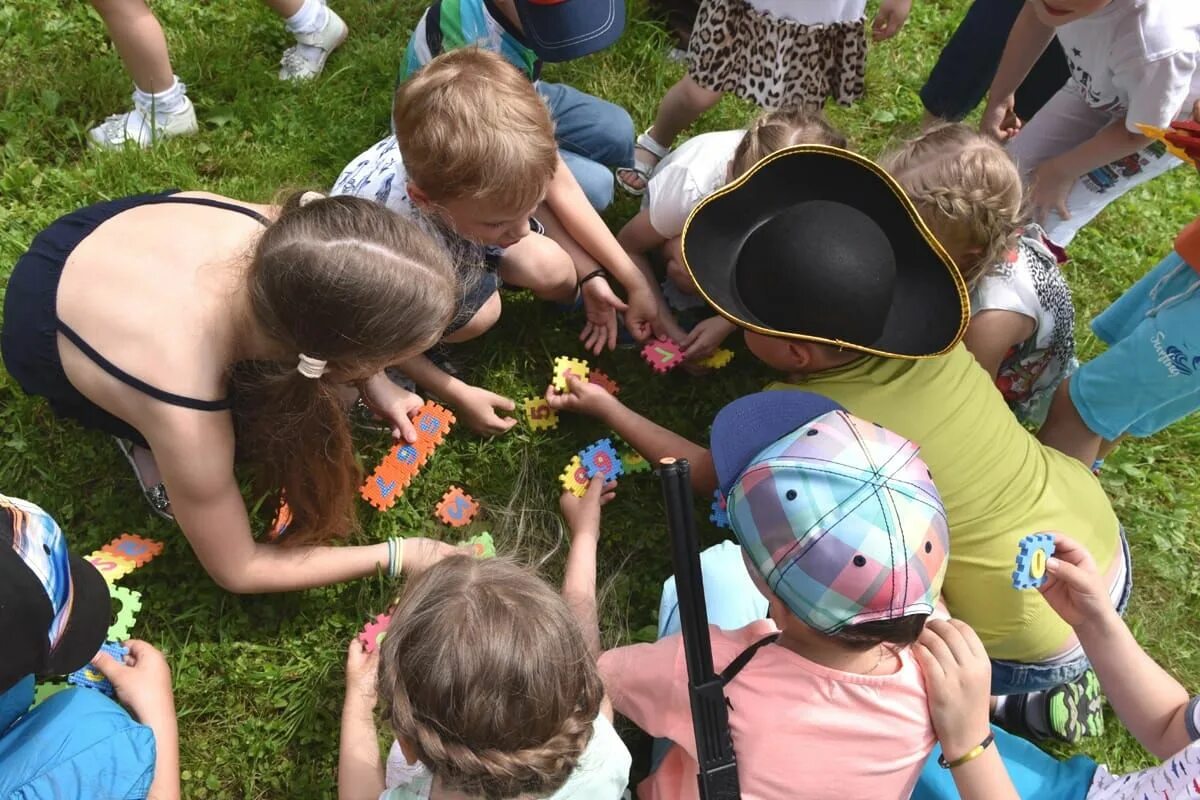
(418, 195)
(802, 356)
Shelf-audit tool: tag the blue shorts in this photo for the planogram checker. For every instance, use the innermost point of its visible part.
(1150, 375)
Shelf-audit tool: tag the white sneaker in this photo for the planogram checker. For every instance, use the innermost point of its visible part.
(305, 60)
(143, 127)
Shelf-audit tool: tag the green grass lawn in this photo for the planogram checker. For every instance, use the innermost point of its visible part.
(258, 680)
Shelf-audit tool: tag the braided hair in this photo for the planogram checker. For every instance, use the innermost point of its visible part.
(775, 130)
(967, 190)
(485, 673)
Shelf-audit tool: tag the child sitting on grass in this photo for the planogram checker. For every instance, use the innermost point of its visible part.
(474, 157)
(490, 689)
(697, 168)
(593, 134)
(54, 612)
(843, 532)
(819, 256)
(1153, 705)
(969, 193)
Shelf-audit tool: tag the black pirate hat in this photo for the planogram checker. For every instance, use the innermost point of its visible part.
(818, 243)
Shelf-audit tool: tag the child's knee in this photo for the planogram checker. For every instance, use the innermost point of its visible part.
(481, 322)
(543, 267)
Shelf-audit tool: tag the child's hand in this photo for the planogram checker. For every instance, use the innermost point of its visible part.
(362, 670)
(642, 312)
(1049, 191)
(1074, 588)
(142, 682)
(706, 337)
(477, 408)
(958, 679)
(581, 397)
(1000, 120)
(583, 513)
(392, 403)
(601, 306)
(890, 19)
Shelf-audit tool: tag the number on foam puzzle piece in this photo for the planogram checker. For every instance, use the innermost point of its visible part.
(601, 458)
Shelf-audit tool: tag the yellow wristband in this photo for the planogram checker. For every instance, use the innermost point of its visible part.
(972, 754)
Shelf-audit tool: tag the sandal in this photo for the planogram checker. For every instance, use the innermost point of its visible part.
(642, 167)
(155, 495)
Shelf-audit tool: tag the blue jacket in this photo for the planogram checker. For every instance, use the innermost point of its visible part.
(78, 744)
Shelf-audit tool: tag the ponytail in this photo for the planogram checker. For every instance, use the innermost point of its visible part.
(351, 287)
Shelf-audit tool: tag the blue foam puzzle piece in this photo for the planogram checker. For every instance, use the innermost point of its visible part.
(588, 454)
(719, 515)
(88, 677)
(1027, 548)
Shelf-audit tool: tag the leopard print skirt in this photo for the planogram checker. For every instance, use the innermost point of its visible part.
(775, 62)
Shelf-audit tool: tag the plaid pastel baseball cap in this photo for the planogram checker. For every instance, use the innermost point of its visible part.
(55, 608)
(839, 516)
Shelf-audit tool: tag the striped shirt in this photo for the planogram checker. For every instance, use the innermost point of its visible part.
(449, 24)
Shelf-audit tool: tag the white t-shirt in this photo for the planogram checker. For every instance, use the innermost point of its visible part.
(378, 174)
(1031, 284)
(601, 774)
(694, 170)
(1139, 59)
(812, 12)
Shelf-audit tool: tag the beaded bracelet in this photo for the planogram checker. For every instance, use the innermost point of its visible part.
(971, 755)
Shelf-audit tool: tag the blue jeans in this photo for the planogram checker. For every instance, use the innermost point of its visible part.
(594, 137)
(1013, 677)
(964, 70)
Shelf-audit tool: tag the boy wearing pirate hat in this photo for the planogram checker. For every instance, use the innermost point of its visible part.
(820, 258)
(54, 613)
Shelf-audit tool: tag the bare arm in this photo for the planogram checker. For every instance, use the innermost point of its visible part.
(1112, 143)
(197, 469)
(1151, 703)
(476, 406)
(639, 237)
(652, 441)
(579, 579)
(1027, 41)
(570, 205)
(993, 333)
(360, 773)
(984, 778)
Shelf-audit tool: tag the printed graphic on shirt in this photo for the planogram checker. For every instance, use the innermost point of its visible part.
(1102, 179)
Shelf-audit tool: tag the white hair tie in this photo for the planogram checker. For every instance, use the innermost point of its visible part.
(309, 197)
(311, 367)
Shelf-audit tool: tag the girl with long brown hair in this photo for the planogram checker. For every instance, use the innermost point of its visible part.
(190, 325)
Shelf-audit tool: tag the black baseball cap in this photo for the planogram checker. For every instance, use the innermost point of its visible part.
(55, 608)
(562, 30)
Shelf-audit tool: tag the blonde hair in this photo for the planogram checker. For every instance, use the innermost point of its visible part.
(965, 186)
(471, 126)
(486, 674)
(775, 130)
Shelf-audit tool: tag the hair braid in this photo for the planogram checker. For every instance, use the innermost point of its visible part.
(967, 189)
(486, 675)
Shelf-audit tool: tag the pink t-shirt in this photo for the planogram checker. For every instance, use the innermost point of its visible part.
(799, 729)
